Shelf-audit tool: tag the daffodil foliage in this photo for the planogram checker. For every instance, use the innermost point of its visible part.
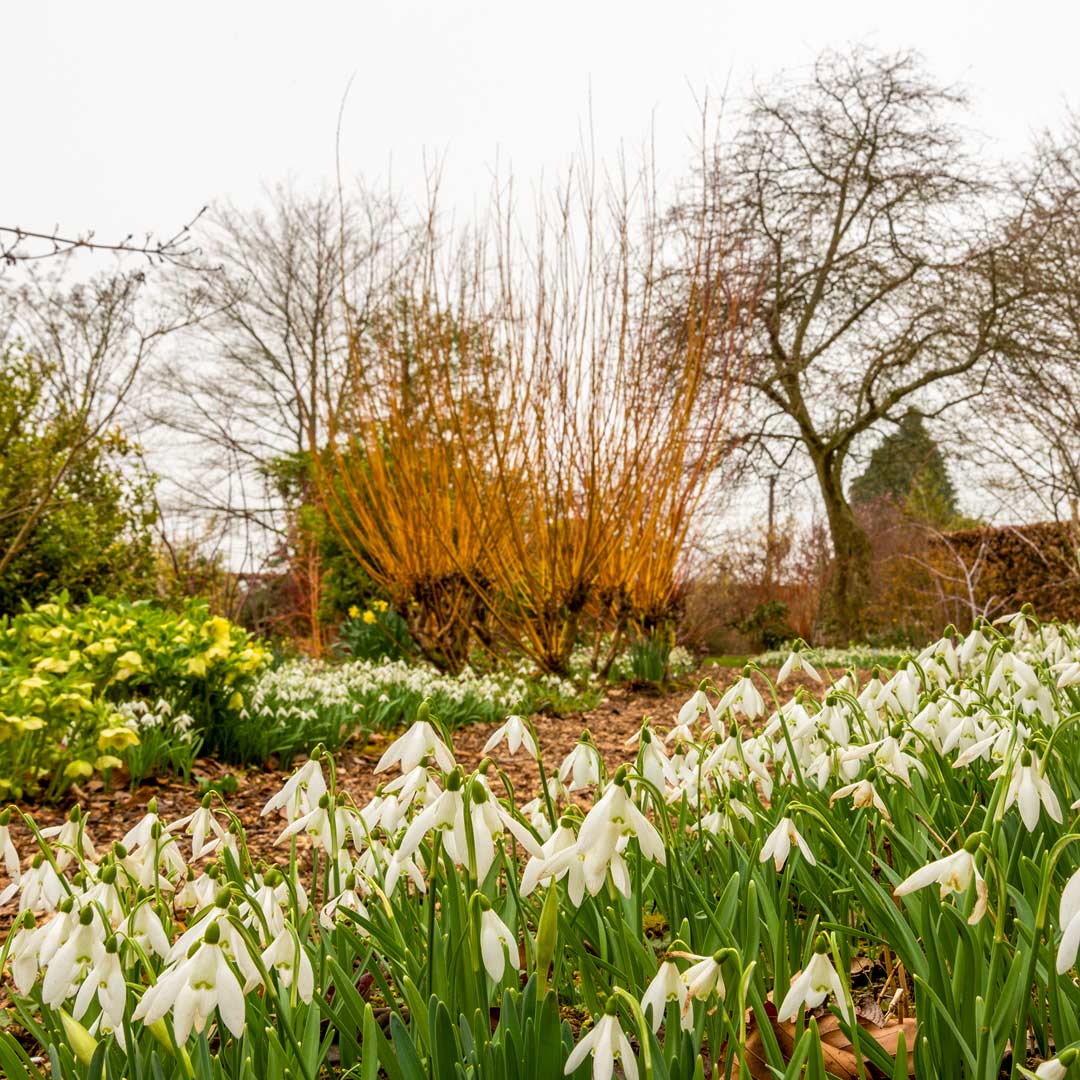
(651, 922)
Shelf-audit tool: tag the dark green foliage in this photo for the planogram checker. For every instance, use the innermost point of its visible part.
(768, 625)
(908, 468)
(376, 632)
(76, 509)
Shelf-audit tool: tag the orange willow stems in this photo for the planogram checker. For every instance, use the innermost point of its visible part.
(532, 430)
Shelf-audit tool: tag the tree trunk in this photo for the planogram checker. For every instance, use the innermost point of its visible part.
(842, 614)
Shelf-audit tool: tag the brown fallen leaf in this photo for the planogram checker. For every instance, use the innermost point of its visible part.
(836, 1048)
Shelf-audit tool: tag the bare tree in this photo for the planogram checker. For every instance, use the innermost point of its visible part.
(850, 194)
(1035, 439)
(256, 379)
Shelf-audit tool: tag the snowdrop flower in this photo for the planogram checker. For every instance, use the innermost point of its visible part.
(489, 820)
(496, 942)
(193, 987)
(535, 812)
(201, 825)
(148, 828)
(667, 985)
(71, 840)
(688, 716)
(954, 873)
(419, 742)
(23, 955)
(863, 794)
(813, 985)
(796, 661)
(290, 960)
(40, 888)
(12, 863)
(703, 979)
(448, 810)
(396, 865)
(143, 927)
(655, 765)
(104, 982)
(516, 733)
(561, 858)
(742, 698)
(67, 969)
(328, 823)
(606, 1042)
(1069, 921)
(1028, 788)
(778, 844)
(349, 899)
(300, 793)
(581, 766)
(616, 811)
(1057, 1068)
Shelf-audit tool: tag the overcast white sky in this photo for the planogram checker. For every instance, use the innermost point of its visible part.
(123, 115)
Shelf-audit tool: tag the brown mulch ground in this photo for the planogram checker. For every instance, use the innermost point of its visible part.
(611, 723)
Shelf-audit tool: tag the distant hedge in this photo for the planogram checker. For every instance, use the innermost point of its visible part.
(1034, 564)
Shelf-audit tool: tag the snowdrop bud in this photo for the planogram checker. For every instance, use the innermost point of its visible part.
(547, 933)
(83, 1044)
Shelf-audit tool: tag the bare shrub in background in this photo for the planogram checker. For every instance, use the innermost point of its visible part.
(525, 450)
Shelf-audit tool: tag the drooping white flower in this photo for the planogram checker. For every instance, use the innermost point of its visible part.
(796, 661)
(290, 960)
(419, 742)
(954, 873)
(812, 986)
(702, 979)
(1029, 789)
(517, 735)
(71, 840)
(607, 1043)
(104, 982)
(688, 716)
(863, 794)
(616, 811)
(204, 829)
(349, 899)
(778, 844)
(742, 697)
(300, 793)
(12, 864)
(581, 767)
(66, 970)
(1069, 921)
(544, 866)
(144, 928)
(193, 987)
(497, 942)
(667, 985)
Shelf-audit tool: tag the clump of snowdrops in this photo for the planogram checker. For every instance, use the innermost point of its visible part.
(305, 702)
(655, 918)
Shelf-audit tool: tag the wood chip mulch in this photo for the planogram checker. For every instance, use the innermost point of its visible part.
(112, 813)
